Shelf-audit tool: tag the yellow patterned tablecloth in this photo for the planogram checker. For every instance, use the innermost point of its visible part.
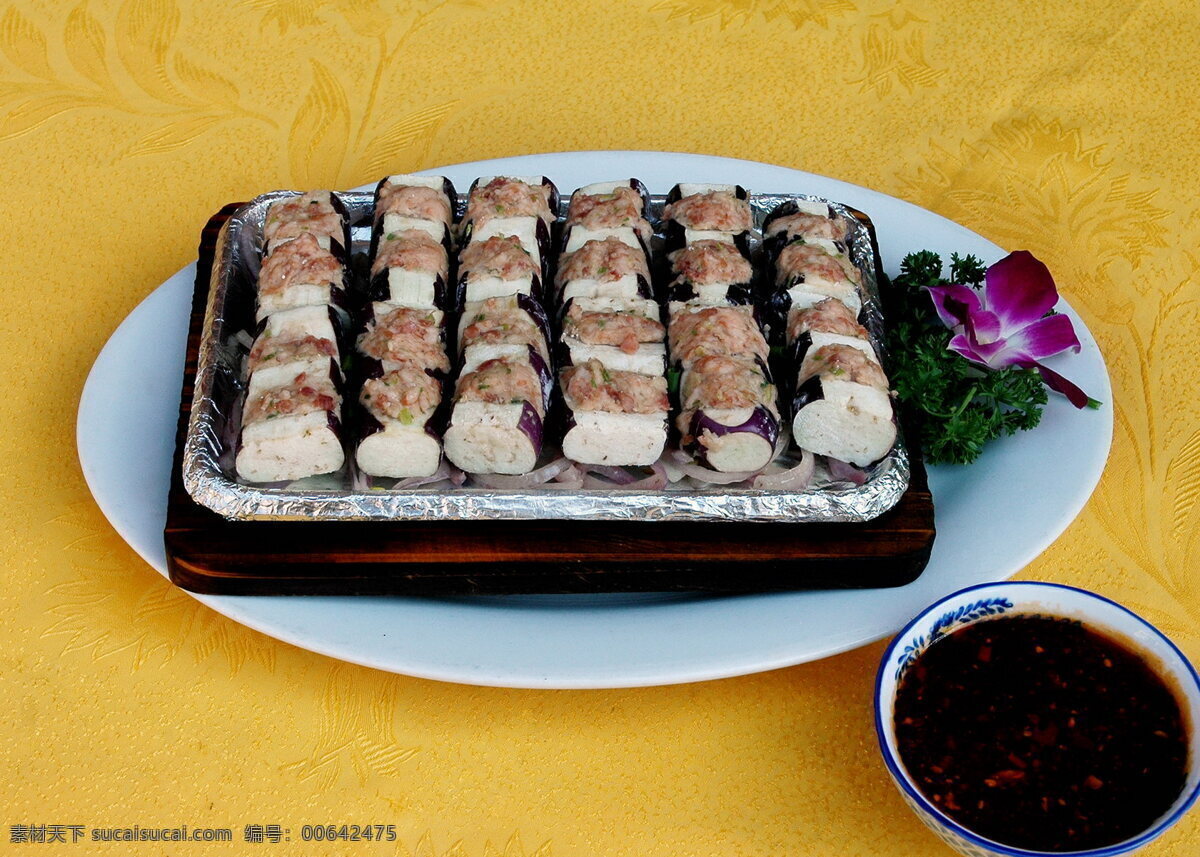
(1065, 128)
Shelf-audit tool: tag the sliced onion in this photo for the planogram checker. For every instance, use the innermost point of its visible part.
(525, 480)
(570, 479)
(618, 475)
(705, 475)
(442, 473)
(457, 477)
(780, 477)
(841, 471)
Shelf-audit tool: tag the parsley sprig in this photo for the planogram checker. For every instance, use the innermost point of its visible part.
(963, 405)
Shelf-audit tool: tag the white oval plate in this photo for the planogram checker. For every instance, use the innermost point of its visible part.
(993, 517)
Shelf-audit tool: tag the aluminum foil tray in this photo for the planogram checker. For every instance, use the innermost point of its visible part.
(208, 471)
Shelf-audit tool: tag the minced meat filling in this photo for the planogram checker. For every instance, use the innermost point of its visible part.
(274, 351)
(411, 250)
(799, 258)
(827, 316)
(304, 395)
(715, 330)
(420, 203)
(505, 197)
(500, 256)
(721, 382)
(503, 381)
(591, 386)
(406, 334)
(625, 330)
(405, 394)
(716, 211)
(302, 261)
(604, 261)
(496, 322)
(809, 226)
(311, 212)
(708, 262)
(622, 207)
(844, 363)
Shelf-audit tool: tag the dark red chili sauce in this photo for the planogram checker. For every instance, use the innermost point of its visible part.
(1040, 733)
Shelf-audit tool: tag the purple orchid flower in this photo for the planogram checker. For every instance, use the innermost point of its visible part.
(1007, 324)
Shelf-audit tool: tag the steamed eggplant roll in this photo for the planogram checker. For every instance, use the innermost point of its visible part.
(697, 212)
(614, 417)
(497, 266)
(291, 420)
(728, 420)
(827, 322)
(512, 206)
(404, 365)
(411, 268)
(730, 417)
(606, 268)
(297, 273)
(404, 202)
(318, 213)
(623, 334)
(710, 272)
(808, 270)
(497, 421)
(842, 407)
(608, 210)
(511, 326)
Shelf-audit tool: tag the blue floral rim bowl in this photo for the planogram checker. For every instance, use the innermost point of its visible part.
(978, 603)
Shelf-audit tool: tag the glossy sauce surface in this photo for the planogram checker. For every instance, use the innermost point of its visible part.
(1041, 733)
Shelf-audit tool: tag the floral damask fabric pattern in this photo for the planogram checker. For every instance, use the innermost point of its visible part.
(124, 124)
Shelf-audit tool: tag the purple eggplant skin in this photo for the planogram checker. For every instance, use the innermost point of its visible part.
(545, 374)
(335, 201)
(531, 424)
(675, 238)
(761, 422)
(674, 195)
(738, 294)
(807, 393)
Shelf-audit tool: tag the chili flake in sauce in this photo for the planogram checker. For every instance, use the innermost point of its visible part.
(1041, 733)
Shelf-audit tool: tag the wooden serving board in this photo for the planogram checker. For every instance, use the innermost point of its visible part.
(207, 553)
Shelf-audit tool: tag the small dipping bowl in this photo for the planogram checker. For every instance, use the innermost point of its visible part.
(1017, 598)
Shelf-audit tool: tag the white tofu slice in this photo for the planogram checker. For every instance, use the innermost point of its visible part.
(406, 180)
(816, 289)
(649, 359)
(524, 229)
(820, 338)
(488, 438)
(736, 451)
(693, 188)
(577, 236)
(625, 287)
(289, 448)
(851, 422)
(616, 440)
(393, 222)
(598, 188)
(416, 289)
(399, 451)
